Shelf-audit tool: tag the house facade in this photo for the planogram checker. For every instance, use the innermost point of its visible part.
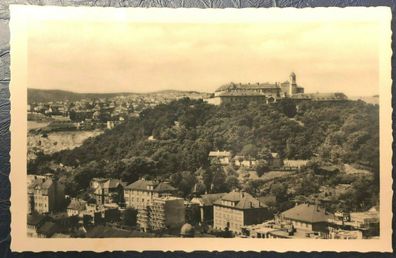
(107, 190)
(45, 194)
(205, 204)
(307, 217)
(140, 194)
(165, 212)
(237, 209)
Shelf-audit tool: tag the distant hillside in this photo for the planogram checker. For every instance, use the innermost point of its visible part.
(368, 99)
(37, 95)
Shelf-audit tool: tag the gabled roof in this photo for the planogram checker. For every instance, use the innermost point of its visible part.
(242, 200)
(275, 155)
(77, 204)
(40, 183)
(108, 183)
(209, 199)
(307, 213)
(142, 185)
(139, 185)
(112, 183)
(164, 187)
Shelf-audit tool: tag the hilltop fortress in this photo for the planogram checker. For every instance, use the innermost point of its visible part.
(270, 92)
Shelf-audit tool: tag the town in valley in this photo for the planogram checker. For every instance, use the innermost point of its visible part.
(250, 160)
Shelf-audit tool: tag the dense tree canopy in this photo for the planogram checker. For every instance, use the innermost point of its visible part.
(172, 141)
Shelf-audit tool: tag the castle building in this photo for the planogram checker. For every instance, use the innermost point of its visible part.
(237, 209)
(45, 194)
(140, 194)
(262, 92)
(269, 92)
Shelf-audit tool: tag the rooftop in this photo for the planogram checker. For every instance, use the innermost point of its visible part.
(77, 204)
(242, 200)
(209, 199)
(219, 154)
(307, 213)
(142, 185)
(248, 86)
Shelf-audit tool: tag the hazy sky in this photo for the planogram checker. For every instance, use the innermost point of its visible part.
(96, 56)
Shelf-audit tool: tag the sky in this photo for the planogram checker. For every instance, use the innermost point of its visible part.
(126, 56)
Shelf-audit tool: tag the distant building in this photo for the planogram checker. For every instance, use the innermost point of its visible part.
(268, 229)
(205, 204)
(75, 207)
(141, 193)
(345, 234)
(224, 157)
(242, 161)
(163, 213)
(107, 190)
(367, 222)
(237, 209)
(294, 164)
(45, 194)
(307, 217)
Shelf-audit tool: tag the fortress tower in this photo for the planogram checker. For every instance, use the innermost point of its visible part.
(292, 78)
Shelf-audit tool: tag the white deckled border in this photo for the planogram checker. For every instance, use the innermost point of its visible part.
(20, 16)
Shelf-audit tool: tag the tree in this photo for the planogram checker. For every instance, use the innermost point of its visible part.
(193, 214)
(129, 217)
(218, 177)
(137, 167)
(261, 167)
(250, 150)
(184, 181)
(279, 191)
(232, 183)
(288, 107)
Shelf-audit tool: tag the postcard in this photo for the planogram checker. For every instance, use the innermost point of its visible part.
(201, 129)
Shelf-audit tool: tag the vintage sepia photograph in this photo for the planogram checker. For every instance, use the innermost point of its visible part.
(235, 125)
